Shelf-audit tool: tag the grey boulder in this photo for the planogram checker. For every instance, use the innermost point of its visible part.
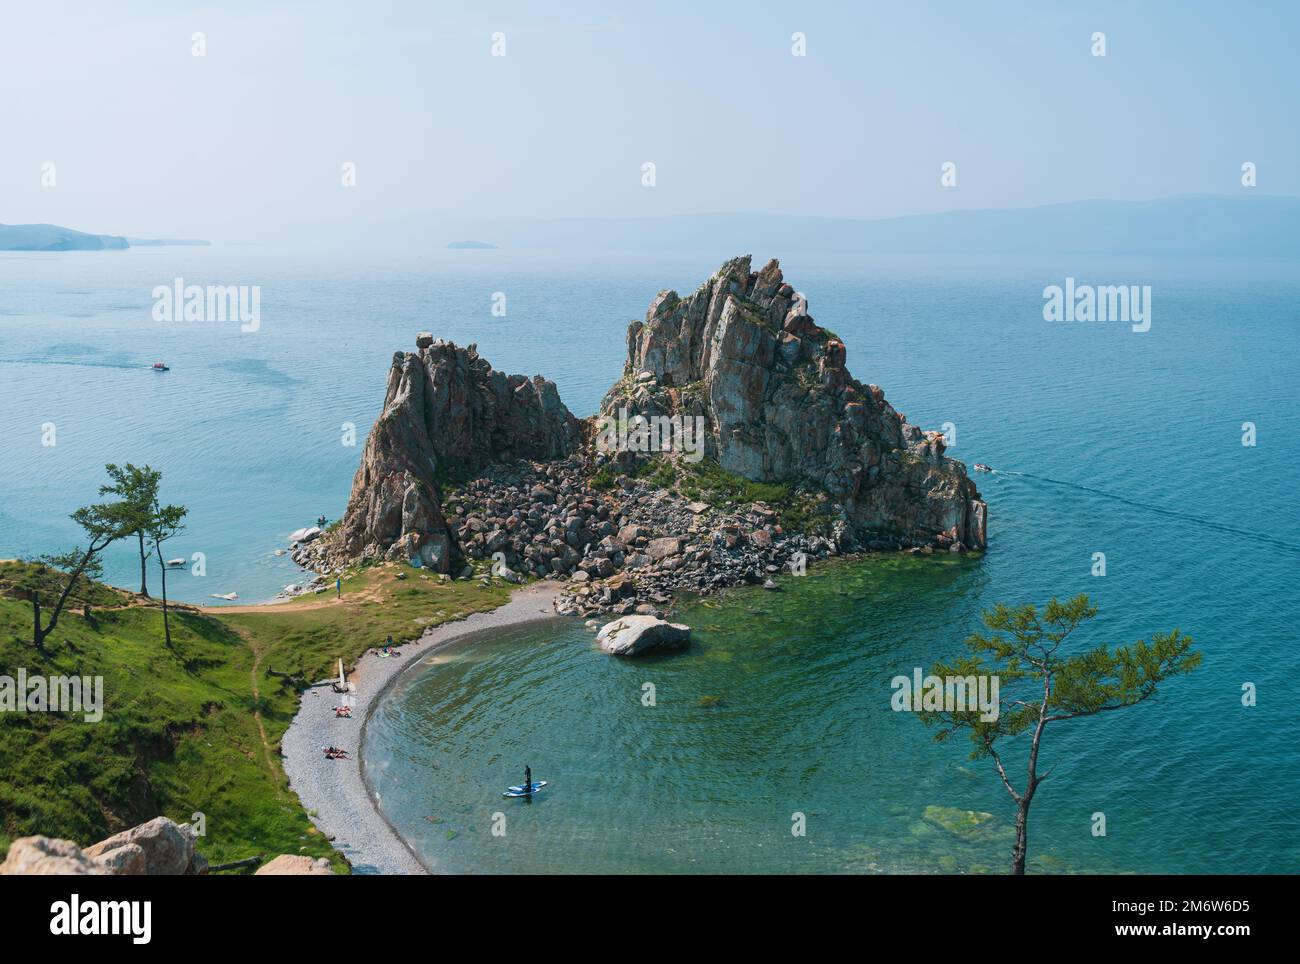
(633, 635)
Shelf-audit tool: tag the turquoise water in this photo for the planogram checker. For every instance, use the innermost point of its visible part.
(782, 706)
(1130, 442)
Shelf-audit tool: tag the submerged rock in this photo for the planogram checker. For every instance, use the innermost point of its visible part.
(633, 635)
(966, 824)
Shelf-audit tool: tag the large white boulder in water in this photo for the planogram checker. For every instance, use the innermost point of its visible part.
(631, 635)
(305, 534)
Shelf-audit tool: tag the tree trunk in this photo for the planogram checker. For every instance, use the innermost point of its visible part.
(144, 556)
(1021, 848)
(37, 635)
(41, 634)
(162, 566)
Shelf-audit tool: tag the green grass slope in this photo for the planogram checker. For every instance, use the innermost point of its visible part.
(194, 728)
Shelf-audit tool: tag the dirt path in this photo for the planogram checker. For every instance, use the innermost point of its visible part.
(299, 604)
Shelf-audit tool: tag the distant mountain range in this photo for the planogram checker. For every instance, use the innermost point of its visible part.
(1254, 226)
(52, 237)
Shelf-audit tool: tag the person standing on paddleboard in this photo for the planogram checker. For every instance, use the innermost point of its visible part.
(528, 780)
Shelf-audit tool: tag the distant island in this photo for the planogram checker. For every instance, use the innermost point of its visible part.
(52, 237)
(473, 245)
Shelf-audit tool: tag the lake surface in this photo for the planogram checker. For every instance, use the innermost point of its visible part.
(1130, 444)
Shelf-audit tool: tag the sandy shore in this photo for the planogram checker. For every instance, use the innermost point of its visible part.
(333, 791)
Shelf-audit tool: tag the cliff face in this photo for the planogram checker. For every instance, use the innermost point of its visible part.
(447, 414)
(778, 404)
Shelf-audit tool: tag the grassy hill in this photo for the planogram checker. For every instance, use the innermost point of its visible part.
(193, 728)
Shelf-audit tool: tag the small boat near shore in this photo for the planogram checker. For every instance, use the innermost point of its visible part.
(160, 367)
(981, 467)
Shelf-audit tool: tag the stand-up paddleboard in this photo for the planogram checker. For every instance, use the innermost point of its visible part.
(521, 791)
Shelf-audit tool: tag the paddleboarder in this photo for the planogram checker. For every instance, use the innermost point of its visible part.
(528, 780)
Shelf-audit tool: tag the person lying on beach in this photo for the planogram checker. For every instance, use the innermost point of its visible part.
(343, 711)
(334, 753)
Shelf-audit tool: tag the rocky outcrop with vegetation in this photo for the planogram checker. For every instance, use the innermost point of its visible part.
(447, 415)
(778, 405)
(799, 462)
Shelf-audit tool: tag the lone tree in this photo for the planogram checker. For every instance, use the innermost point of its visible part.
(103, 524)
(164, 521)
(138, 490)
(1046, 687)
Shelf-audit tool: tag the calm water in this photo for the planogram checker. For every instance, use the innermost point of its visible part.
(1132, 447)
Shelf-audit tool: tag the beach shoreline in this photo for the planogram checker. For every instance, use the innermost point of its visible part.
(334, 792)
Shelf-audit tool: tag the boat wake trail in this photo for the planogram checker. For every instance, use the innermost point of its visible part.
(1160, 510)
(75, 362)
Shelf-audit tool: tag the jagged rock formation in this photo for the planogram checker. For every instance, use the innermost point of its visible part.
(465, 462)
(779, 405)
(447, 414)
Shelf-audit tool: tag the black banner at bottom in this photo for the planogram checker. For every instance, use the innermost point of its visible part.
(143, 914)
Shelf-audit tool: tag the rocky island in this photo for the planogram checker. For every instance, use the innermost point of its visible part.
(787, 458)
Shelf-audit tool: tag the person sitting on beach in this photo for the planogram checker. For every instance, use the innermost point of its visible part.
(342, 711)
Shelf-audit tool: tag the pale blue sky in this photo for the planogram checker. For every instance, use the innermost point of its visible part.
(247, 142)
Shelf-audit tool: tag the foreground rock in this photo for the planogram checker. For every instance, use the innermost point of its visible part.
(633, 635)
(287, 864)
(163, 847)
(159, 847)
(47, 856)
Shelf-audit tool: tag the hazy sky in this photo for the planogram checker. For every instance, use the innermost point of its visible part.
(247, 142)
